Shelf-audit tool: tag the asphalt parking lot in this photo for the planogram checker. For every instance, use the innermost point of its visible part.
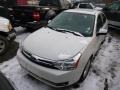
(104, 73)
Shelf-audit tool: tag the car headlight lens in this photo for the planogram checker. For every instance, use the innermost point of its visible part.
(68, 64)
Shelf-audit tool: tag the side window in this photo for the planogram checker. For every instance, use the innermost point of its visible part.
(104, 18)
(89, 6)
(99, 23)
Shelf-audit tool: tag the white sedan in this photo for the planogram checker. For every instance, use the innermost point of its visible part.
(60, 54)
(87, 6)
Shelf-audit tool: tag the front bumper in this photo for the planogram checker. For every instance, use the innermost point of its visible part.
(11, 35)
(55, 78)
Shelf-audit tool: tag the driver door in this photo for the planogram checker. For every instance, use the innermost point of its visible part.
(101, 24)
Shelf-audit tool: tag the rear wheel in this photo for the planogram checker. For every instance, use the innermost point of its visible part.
(3, 45)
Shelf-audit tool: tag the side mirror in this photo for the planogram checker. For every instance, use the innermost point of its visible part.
(49, 21)
(102, 32)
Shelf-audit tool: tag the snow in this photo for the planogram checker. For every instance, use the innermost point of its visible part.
(22, 34)
(104, 73)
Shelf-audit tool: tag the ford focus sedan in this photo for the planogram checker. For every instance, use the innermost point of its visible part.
(60, 54)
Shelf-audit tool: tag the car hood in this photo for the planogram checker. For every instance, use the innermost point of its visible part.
(4, 23)
(53, 45)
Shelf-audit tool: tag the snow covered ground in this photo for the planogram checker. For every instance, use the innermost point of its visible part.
(104, 73)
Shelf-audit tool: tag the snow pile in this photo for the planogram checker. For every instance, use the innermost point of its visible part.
(21, 34)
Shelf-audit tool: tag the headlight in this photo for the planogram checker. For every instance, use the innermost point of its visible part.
(68, 64)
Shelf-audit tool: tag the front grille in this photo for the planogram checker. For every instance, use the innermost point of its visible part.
(41, 62)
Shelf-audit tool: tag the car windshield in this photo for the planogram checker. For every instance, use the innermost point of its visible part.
(49, 3)
(76, 22)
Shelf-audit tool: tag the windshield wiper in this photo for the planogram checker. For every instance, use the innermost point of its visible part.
(65, 30)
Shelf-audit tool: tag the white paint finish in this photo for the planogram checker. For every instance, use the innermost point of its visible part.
(52, 75)
(98, 8)
(4, 21)
(84, 11)
(50, 44)
(4, 24)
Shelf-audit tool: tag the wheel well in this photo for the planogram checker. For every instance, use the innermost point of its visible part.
(3, 34)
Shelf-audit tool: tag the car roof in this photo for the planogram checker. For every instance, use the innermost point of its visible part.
(84, 11)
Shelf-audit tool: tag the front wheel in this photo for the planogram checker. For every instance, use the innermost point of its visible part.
(3, 45)
(86, 71)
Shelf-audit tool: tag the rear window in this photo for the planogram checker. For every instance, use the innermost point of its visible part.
(49, 3)
(78, 22)
(88, 6)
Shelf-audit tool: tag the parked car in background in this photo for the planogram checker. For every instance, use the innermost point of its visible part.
(86, 5)
(60, 54)
(4, 12)
(112, 12)
(6, 84)
(35, 16)
(7, 34)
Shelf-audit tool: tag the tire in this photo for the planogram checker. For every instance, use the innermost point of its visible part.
(3, 45)
(86, 71)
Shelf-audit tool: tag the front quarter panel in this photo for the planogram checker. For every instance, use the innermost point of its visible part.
(86, 54)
